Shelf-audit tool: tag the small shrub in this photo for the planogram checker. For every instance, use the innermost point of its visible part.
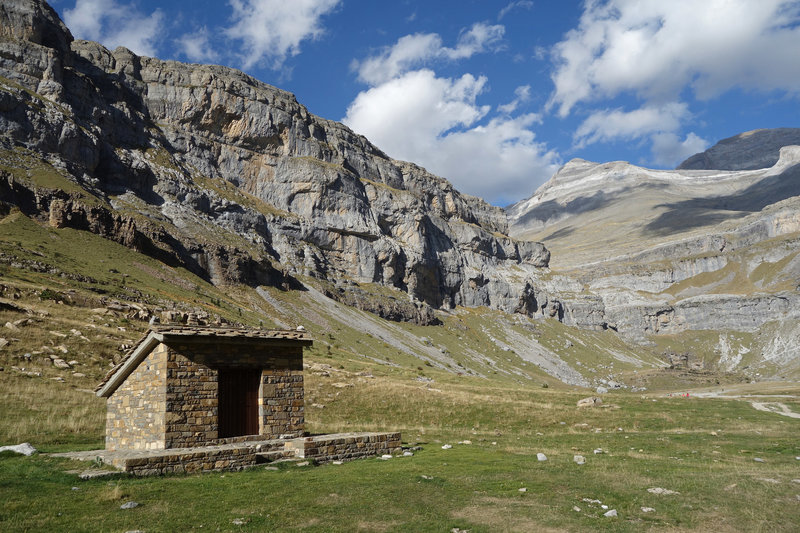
(48, 294)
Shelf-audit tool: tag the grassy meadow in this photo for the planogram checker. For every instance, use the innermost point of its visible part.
(703, 449)
(473, 383)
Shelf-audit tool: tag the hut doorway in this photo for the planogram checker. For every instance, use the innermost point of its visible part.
(238, 402)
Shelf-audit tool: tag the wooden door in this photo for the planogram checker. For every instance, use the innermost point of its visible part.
(238, 402)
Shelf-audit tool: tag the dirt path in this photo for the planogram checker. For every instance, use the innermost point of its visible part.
(775, 407)
(754, 395)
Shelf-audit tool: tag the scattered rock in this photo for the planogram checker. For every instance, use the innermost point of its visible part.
(337, 462)
(459, 530)
(579, 459)
(576, 509)
(759, 460)
(610, 514)
(274, 468)
(3, 343)
(342, 385)
(592, 401)
(129, 505)
(11, 326)
(60, 363)
(427, 477)
(465, 442)
(523, 489)
(661, 492)
(408, 454)
(239, 521)
(598, 451)
(647, 510)
(541, 457)
(601, 390)
(304, 463)
(447, 446)
(25, 449)
(386, 456)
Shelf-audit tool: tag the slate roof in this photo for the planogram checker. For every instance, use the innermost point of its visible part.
(158, 334)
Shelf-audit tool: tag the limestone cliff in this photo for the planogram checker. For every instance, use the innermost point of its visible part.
(211, 169)
(659, 255)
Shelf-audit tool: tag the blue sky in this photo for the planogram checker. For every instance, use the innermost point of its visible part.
(494, 96)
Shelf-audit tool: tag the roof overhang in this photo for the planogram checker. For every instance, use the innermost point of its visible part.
(144, 348)
(118, 375)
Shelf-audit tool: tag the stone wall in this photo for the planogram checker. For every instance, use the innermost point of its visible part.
(344, 446)
(171, 400)
(190, 462)
(192, 390)
(281, 407)
(237, 456)
(135, 415)
(191, 402)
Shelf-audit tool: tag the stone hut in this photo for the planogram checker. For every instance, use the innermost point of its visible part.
(182, 387)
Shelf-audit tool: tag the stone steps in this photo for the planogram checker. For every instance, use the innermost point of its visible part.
(273, 456)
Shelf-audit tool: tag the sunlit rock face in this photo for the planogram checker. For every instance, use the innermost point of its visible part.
(237, 181)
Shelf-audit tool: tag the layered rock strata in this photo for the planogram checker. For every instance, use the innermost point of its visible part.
(234, 179)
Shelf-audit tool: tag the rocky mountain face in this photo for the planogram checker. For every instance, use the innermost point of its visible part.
(209, 169)
(660, 255)
(205, 168)
(747, 151)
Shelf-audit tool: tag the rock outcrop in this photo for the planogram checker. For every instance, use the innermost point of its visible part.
(649, 252)
(235, 179)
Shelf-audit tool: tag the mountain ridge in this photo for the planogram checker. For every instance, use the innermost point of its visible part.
(204, 168)
(168, 140)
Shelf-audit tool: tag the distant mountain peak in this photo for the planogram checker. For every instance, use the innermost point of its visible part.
(750, 150)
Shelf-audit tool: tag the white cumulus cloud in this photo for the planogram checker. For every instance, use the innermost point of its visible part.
(519, 4)
(412, 51)
(435, 122)
(669, 150)
(116, 24)
(438, 122)
(655, 49)
(522, 94)
(403, 115)
(271, 30)
(610, 125)
(196, 46)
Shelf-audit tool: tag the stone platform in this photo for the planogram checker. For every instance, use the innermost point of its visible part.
(244, 454)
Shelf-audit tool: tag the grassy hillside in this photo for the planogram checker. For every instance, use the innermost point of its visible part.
(704, 449)
(481, 377)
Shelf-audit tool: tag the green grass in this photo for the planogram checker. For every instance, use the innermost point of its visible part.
(28, 167)
(665, 443)
(506, 414)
